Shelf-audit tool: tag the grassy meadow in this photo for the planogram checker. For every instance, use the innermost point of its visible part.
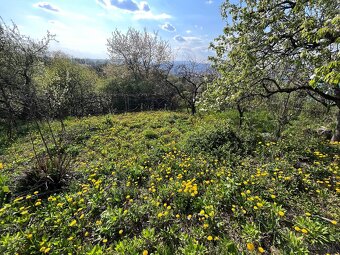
(170, 183)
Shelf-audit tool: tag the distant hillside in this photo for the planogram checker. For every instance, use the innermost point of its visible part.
(101, 62)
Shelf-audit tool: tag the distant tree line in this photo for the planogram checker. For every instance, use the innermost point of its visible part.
(140, 75)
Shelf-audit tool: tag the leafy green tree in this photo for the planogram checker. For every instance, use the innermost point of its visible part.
(278, 46)
(68, 88)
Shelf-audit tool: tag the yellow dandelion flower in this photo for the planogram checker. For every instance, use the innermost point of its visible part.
(145, 252)
(47, 250)
(334, 222)
(37, 203)
(24, 212)
(297, 229)
(250, 246)
(73, 223)
(259, 205)
(304, 231)
(281, 213)
(210, 238)
(261, 250)
(121, 231)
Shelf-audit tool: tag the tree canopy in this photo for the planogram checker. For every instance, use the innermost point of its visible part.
(142, 53)
(270, 47)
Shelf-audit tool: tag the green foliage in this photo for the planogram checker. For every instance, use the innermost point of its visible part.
(150, 134)
(4, 189)
(217, 139)
(136, 195)
(66, 88)
(271, 47)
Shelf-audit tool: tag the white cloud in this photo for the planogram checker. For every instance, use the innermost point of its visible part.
(191, 45)
(179, 38)
(168, 27)
(209, 1)
(144, 6)
(139, 11)
(188, 39)
(188, 31)
(47, 7)
(200, 54)
(126, 5)
(193, 39)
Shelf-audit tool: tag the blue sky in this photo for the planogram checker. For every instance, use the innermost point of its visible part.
(83, 26)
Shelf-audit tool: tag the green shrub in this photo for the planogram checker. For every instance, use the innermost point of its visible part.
(217, 139)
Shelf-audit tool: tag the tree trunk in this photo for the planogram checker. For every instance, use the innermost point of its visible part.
(193, 109)
(240, 113)
(336, 135)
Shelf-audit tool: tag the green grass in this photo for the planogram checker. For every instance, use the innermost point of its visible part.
(141, 185)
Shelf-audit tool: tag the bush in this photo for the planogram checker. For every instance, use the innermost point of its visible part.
(49, 169)
(47, 174)
(217, 139)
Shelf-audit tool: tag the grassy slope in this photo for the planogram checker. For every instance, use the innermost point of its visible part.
(138, 188)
